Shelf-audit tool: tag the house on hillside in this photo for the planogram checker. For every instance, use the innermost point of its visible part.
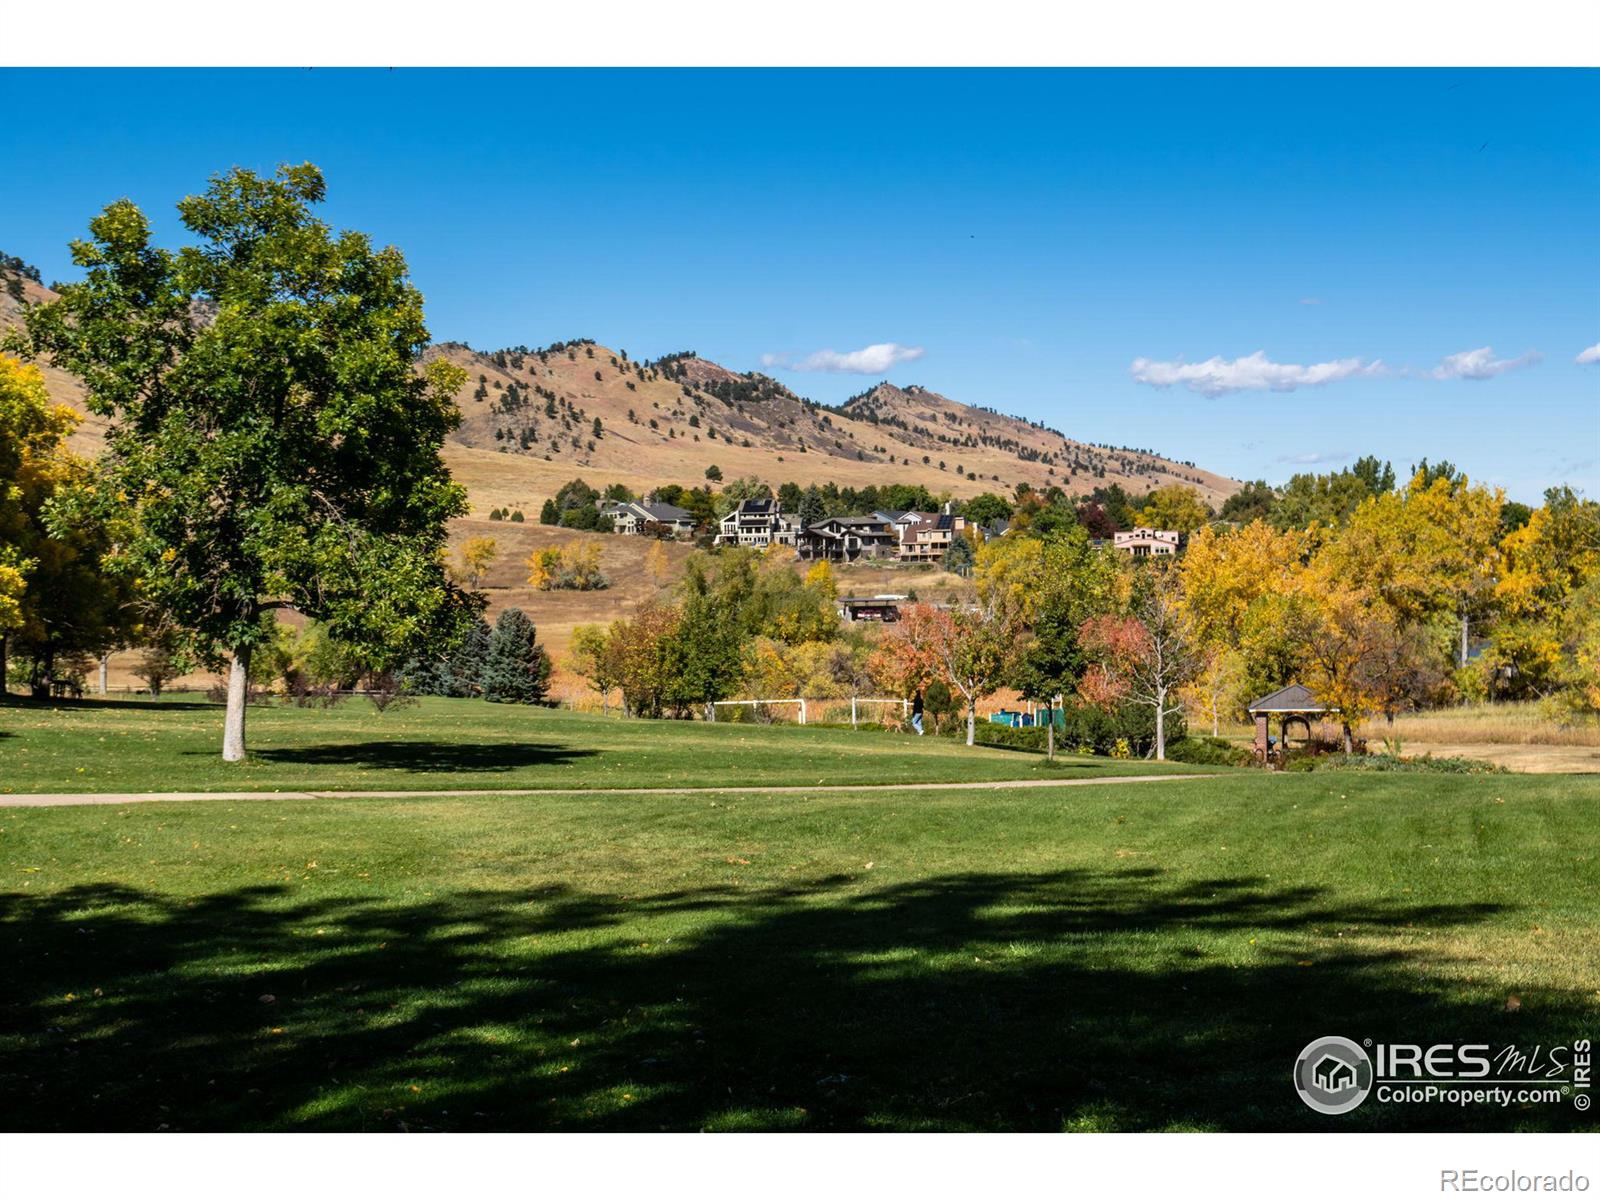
(845, 539)
(758, 523)
(925, 539)
(661, 519)
(1147, 543)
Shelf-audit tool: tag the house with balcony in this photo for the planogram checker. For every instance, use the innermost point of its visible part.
(924, 537)
(845, 539)
(758, 524)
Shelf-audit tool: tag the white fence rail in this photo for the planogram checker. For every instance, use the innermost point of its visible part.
(855, 703)
(711, 709)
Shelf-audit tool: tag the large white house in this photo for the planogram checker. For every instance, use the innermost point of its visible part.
(758, 523)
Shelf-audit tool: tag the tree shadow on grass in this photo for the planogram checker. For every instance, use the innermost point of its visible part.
(973, 1001)
(427, 757)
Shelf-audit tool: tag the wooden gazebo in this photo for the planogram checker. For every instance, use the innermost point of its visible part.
(1290, 704)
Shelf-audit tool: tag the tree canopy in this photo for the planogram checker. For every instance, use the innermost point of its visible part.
(272, 441)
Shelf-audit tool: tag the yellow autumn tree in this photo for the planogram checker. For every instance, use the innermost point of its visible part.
(656, 564)
(1175, 506)
(1428, 551)
(1547, 567)
(1224, 572)
(1009, 573)
(820, 578)
(1341, 632)
(572, 567)
(477, 556)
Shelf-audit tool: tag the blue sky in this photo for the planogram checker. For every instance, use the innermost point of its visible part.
(1076, 247)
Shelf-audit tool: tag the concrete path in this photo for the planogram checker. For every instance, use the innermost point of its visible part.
(65, 799)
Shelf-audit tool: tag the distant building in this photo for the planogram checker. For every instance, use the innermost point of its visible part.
(871, 608)
(845, 539)
(925, 538)
(758, 523)
(631, 518)
(1147, 543)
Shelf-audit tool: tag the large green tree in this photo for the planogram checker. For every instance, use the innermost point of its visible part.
(273, 442)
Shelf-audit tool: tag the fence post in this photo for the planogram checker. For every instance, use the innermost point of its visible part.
(802, 710)
(852, 712)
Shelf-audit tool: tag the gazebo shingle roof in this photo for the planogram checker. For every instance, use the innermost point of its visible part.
(1296, 698)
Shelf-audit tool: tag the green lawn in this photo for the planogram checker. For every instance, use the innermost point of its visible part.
(133, 746)
(1146, 957)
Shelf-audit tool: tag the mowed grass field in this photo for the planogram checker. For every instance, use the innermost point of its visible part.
(1093, 958)
(140, 746)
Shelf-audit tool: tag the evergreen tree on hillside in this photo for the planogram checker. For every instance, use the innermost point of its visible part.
(811, 507)
(517, 669)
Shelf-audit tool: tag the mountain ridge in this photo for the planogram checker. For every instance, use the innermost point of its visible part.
(529, 424)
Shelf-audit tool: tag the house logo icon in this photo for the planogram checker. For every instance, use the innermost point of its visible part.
(1333, 1075)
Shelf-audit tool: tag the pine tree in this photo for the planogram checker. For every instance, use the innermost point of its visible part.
(517, 669)
(811, 507)
(463, 671)
(549, 514)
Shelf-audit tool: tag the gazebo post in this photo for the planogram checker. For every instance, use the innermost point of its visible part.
(1263, 735)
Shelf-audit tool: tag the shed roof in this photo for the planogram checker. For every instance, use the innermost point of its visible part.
(1296, 698)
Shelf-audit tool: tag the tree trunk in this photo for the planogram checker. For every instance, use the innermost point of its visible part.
(1161, 732)
(1463, 661)
(3, 665)
(1216, 719)
(43, 668)
(1349, 743)
(972, 721)
(105, 660)
(238, 693)
(1050, 733)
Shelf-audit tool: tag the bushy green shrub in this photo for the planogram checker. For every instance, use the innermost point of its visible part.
(1209, 751)
(1426, 765)
(1082, 729)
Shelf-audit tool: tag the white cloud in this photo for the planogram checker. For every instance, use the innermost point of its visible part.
(1311, 300)
(1480, 364)
(1254, 372)
(1591, 355)
(869, 360)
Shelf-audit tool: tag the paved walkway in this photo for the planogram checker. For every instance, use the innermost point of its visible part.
(65, 799)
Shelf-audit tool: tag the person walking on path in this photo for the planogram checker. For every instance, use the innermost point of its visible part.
(916, 714)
